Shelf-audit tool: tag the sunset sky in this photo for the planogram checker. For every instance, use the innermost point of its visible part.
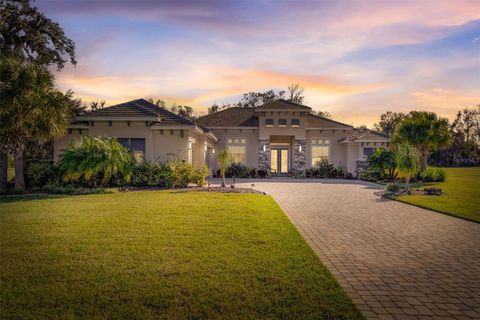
(356, 59)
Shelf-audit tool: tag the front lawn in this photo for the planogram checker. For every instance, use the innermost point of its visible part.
(462, 199)
(162, 254)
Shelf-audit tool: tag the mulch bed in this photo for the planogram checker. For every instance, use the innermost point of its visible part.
(200, 189)
(412, 191)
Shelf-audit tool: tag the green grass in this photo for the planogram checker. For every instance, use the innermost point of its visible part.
(163, 254)
(462, 199)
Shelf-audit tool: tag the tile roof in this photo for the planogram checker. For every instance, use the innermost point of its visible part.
(136, 109)
(283, 104)
(230, 117)
(316, 121)
(359, 133)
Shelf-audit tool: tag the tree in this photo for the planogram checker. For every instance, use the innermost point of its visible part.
(388, 122)
(186, 112)
(159, 103)
(425, 131)
(97, 105)
(256, 99)
(296, 93)
(28, 34)
(383, 161)
(213, 109)
(224, 159)
(31, 109)
(96, 160)
(323, 114)
(407, 162)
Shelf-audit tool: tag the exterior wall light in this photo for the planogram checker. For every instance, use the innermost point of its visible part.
(189, 145)
(300, 148)
(213, 151)
(264, 148)
(205, 147)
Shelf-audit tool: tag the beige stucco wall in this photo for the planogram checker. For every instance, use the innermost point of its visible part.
(338, 152)
(251, 136)
(266, 132)
(160, 145)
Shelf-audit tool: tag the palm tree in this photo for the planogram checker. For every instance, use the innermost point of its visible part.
(425, 131)
(224, 159)
(407, 162)
(31, 109)
(91, 160)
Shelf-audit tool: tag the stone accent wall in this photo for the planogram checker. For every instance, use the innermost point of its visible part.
(299, 161)
(263, 156)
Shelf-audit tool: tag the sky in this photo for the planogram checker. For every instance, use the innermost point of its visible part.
(355, 59)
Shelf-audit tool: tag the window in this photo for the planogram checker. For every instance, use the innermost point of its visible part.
(136, 146)
(295, 122)
(282, 122)
(236, 147)
(367, 152)
(269, 122)
(320, 150)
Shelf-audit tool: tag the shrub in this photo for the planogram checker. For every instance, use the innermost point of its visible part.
(432, 174)
(392, 188)
(382, 164)
(262, 173)
(371, 174)
(325, 169)
(311, 172)
(200, 176)
(340, 172)
(71, 189)
(146, 174)
(183, 173)
(40, 172)
(93, 161)
(237, 170)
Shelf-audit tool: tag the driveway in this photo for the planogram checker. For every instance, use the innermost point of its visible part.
(395, 261)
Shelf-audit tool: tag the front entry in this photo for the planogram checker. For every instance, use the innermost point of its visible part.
(279, 161)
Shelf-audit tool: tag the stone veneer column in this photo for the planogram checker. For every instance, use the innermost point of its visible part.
(263, 156)
(299, 161)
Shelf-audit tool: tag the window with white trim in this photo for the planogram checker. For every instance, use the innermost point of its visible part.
(320, 150)
(136, 146)
(237, 148)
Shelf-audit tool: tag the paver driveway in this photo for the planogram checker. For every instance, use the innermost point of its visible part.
(396, 261)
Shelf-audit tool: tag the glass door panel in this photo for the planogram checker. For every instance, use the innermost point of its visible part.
(284, 161)
(274, 160)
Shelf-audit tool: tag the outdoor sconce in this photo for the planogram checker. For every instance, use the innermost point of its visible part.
(205, 147)
(189, 145)
(300, 149)
(264, 148)
(213, 151)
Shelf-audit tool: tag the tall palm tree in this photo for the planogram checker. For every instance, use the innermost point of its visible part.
(425, 131)
(224, 159)
(31, 109)
(407, 162)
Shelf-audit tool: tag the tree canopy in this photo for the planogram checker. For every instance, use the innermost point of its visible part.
(389, 122)
(27, 33)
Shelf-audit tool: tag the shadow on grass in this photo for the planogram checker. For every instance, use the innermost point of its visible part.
(29, 197)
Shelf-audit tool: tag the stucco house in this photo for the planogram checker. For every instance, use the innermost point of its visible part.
(280, 136)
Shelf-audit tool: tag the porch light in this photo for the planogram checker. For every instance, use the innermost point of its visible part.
(264, 148)
(300, 149)
(189, 145)
(205, 148)
(213, 151)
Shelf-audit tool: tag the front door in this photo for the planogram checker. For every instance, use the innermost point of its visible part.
(279, 161)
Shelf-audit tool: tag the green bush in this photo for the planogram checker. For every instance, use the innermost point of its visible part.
(183, 174)
(40, 172)
(382, 163)
(371, 174)
(200, 176)
(93, 161)
(392, 188)
(152, 174)
(71, 190)
(239, 170)
(432, 174)
(325, 169)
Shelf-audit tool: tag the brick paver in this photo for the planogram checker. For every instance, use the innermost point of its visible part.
(394, 260)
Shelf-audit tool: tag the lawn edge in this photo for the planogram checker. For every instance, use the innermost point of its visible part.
(433, 210)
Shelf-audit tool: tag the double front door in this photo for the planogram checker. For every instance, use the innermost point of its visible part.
(279, 160)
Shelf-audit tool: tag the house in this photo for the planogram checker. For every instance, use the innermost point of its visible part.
(280, 136)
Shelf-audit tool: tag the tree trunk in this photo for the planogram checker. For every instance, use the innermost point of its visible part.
(3, 171)
(224, 184)
(423, 160)
(19, 167)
